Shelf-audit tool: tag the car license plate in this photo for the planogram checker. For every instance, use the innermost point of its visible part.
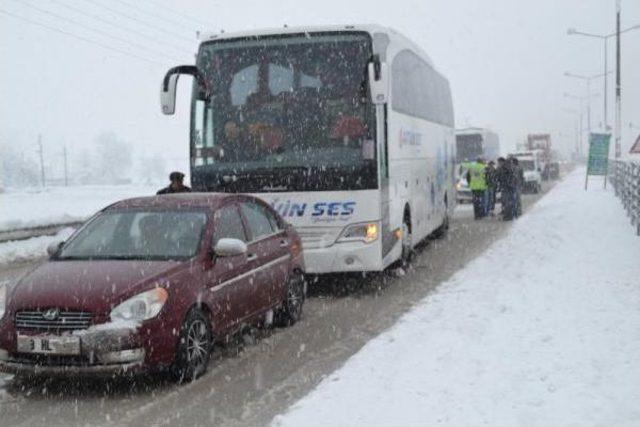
(48, 344)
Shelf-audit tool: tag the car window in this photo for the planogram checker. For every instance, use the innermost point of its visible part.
(137, 234)
(258, 220)
(228, 224)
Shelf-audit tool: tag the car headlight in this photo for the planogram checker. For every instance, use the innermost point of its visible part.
(366, 232)
(3, 299)
(141, 307)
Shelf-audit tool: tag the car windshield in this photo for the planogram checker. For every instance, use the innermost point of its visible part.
(283, 107)
(146, 235)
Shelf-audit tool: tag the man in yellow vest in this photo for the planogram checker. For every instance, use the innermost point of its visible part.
(477, 179)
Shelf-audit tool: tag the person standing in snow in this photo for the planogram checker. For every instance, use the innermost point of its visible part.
(176, 185)
(519, 175)
(477, 179)
(492, 185)
(506, 182)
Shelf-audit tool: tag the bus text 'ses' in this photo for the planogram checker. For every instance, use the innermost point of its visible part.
(319, 210)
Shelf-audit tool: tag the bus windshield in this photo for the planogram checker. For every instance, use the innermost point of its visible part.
(288, 113)
(468, 147)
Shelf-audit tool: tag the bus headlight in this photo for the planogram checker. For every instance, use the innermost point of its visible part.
(365, 232)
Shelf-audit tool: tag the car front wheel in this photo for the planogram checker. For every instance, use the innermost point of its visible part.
(194, 347)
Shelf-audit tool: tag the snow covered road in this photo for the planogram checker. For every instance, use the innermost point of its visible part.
(543, 329)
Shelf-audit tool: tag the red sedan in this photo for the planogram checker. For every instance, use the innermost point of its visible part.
(153, 283)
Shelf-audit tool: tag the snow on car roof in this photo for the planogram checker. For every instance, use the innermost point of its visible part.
(177, 200)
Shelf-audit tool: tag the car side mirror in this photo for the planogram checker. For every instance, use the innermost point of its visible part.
(226, 247)
(54, 247)
(378, 82)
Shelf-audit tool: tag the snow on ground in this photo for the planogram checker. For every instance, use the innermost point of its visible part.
(30, 249)
(543, 329)
(59, 205)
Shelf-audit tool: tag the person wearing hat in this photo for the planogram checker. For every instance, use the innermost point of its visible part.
(176, 185)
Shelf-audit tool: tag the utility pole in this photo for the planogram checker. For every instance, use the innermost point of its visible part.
(66, 177)
(618, 85)
(41, 154)
(604, 38)
(606, 86)
(589, 105)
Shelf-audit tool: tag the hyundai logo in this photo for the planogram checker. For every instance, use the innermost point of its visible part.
(51, 314)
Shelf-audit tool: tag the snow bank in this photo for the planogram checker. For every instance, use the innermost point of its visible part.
(59, 205)
(30, 249)
(543, 329)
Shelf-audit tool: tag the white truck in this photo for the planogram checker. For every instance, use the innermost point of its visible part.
(532, 164)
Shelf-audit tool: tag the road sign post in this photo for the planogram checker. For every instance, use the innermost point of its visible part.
(598, 162)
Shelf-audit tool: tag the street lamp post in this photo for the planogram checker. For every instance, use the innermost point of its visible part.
(604, 38)
(588, 80)
(581, 100)
(578, 126)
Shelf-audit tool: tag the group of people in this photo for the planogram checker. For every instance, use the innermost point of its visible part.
(486, 181)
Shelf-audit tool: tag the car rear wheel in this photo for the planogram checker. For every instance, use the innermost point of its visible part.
(291, 310)
(194, 347)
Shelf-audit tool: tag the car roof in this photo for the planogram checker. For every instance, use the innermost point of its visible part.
(179, 201)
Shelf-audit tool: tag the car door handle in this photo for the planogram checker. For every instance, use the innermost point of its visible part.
(283, 243)
(252, 257)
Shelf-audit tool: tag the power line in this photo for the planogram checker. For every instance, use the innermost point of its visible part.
(185, 16)
(140, 21)
(75, 36)
(113, 24)
(103, 33)
(162, 18)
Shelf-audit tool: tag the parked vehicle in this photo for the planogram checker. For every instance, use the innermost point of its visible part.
(531, 164)
(463, 191)
(541, 142)
(153, 283)
(472, 143)
(357, 154)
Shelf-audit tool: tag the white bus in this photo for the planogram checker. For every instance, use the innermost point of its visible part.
(472, 143)
(347, 131)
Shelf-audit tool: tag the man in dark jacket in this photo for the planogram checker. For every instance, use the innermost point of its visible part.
(176, 185)
(492, 184)
(507, 182)
(519, 172)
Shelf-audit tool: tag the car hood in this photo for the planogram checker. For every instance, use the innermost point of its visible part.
(94, 286)
(530, 175)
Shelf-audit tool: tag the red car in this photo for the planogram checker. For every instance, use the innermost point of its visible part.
(153, 282)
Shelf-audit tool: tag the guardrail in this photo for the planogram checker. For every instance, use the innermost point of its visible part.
(625, 178)
(27, 233)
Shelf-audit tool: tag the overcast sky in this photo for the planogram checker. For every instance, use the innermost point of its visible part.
(505, 60)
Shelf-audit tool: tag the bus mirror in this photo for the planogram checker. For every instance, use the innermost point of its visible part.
(168, 95)
(170, 84)
(379, 82)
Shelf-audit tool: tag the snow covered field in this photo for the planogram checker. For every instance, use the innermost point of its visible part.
(543, 329)
(30, 249)
(56, 205)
